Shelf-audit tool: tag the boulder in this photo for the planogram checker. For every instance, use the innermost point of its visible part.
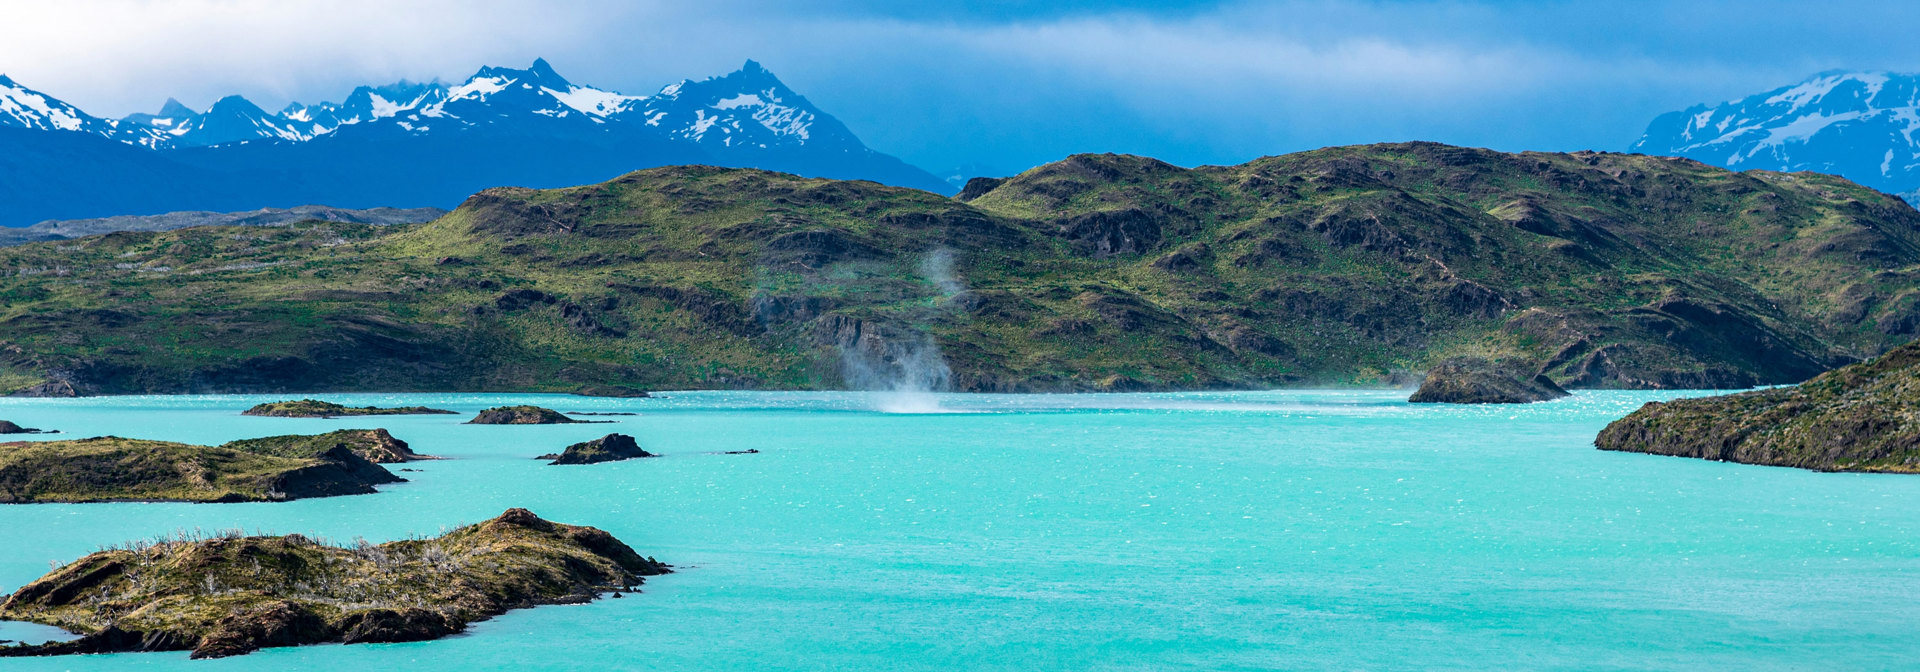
(609, 448)
(1478, 381)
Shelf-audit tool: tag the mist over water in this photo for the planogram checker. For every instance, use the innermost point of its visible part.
(905, 381)
(906, 371)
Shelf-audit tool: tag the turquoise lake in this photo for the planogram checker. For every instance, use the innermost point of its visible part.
(1200, 531)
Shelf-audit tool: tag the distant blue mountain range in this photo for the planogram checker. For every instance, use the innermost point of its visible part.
(410, 144)
(1864, 126)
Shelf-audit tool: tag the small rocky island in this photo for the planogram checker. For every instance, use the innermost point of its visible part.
(1479, 381)
(1862, 417)
(8, 427)
(521, 415)
(232, 595)
(374, 445)
(314, 408)
(114, 469)
(609, 448)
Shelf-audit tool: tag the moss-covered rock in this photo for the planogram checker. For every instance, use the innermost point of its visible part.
(608, 448)
(231, 595)
(314, 408)
(521, 415)
(1864, 417)
(375, 445)
(111, 468)
(1478, 381)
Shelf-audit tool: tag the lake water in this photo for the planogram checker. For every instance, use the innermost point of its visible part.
(1205, 531)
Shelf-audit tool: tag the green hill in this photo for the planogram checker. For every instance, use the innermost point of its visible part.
(1347, 265)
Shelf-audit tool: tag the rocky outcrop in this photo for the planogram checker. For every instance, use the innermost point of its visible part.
(108, 468)
(314, 408)
(232, 595)
(373, 445)
(8, 427)
(1864, 417)
(520, 415)
(609, 448)
(1478, 381)
(1110, 232)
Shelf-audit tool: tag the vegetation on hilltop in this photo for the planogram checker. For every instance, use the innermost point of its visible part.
(1346, 265)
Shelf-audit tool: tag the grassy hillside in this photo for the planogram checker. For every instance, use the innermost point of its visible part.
(1348, 265)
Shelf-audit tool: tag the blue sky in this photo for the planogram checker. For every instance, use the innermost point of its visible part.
(1001, 86)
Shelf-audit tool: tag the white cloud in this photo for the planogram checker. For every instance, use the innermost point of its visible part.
(118, 56)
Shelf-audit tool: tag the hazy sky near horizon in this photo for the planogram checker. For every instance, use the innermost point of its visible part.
(1001, 86)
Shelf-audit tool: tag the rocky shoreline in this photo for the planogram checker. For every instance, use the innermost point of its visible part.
(1857, 418)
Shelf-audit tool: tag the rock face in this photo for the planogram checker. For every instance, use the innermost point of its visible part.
(232, 595)
(608, 448)
(373, 445)
(1857, 418)
(520, 415)
(7, 427)
(1478, 381)
(109, 468)
(314, 408)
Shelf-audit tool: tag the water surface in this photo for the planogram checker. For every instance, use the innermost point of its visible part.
(1206, 531)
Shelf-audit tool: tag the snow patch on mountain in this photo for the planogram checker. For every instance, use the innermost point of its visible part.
(27, 108)
(1860, 125)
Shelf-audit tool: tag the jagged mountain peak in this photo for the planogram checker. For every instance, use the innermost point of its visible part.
(747, 109)
(540, 74)
(174, 108)
(236, 104)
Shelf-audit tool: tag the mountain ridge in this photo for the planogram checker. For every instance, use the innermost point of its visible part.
(502, 125)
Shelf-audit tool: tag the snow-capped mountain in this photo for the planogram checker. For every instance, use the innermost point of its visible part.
(22, 107)
(528, 127)
(748, 109)
(1860, 125)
